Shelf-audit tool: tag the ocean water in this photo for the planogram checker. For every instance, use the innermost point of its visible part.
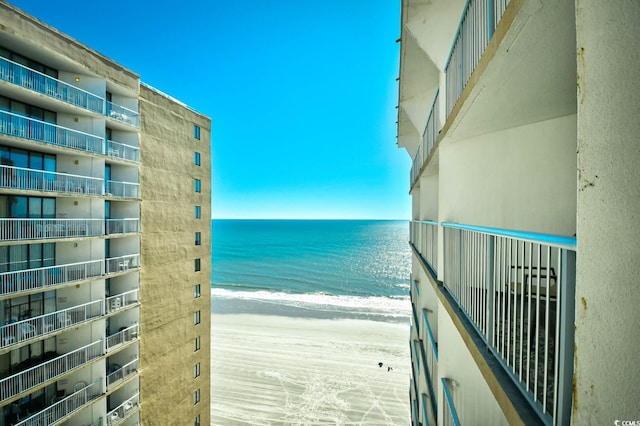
(356, 268)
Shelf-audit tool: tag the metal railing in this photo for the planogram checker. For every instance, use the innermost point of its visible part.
(450, 416)
(124, 336)
(122, 114)
(477, 24)
(21, 331)
(416, 164)
(118, 414)
(122, 263)
(124, 151)
(122, 189)
(431, 356)
(122, 300)
(20, 75)
(122, 373)
(41, 278)
(49, 370)
(518, 289)
(424, 237)
(122, 226)
(43, 229)
(28, 128)
(429, 137)
(65, 407)
(39, 180)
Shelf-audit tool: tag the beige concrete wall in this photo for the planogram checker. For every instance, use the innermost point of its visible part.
(25, 27)
(607, 347)
(167, 278)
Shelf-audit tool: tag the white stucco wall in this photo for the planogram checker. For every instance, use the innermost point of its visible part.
(429, 197)
(521, 178)
(607, 376)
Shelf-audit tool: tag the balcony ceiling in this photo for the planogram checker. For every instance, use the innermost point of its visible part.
(532, 76)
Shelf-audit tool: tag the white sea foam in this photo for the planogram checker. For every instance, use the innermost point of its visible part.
(386, 306)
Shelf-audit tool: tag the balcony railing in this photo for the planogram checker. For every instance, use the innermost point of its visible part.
(122, 263)
(42, 278)
(124, 336)
(122, 189)
(65, 407)
(122, 373)
(123, 226)
(416, 164)
(479, 20)
(124, 151)
(518, 289)
(39, 180)
(49, 370)
(432, 363)
(122, 411)
(424, 237)
(122, 114)
(20, 75)
(120, 301)
(450, 414)
(44, 229)
(40, 131)
(21, 331)
(429, 137)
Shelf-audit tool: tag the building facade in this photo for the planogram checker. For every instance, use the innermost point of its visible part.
(521, 120)
(104, 239)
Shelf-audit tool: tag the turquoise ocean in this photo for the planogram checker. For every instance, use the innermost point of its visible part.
(331, 268)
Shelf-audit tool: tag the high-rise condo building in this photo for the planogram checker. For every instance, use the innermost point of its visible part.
(105, 239)
(521, 117)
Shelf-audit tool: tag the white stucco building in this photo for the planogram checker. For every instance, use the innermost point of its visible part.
(521, 117)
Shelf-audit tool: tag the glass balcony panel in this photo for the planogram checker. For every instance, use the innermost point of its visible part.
(16, 332)
(43, 229)
(121, 301)
(122, 114)
(28, 128)
(42, 278)
(23, 76)
(49, 370)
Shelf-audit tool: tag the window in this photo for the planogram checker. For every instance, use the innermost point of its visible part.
(196, 317)
(196, 185)
(196, 344)
(196, 420)
(197, 212)
(197, 265)
(196, 396)
(196, 158)
(196, 370)
(198, 238)
(196, 291)
(196, 132)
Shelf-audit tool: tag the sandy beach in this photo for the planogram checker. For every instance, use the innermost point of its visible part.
(301, 370)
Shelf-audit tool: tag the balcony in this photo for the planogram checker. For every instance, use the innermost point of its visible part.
(122, 226)
(121, 301)
(66, 406)
(122, 114)
(124, 410)
(35, 130)
(22, 76)
(122, 263)
(431, 363)
(49, 229)
(43, 278)
(477, 24)
(123, 151)
(429, 138)
(424, 238)
(518, 290)
(49, 370)
(121, 373)
(122, 337)
(122, 189)
(40, 180)
(21, 331)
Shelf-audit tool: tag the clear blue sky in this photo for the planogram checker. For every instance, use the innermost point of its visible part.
(302, 94)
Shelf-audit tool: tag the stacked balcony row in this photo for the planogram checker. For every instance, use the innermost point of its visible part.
(518, 291)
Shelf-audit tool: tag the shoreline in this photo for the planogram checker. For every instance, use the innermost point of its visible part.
(274, 364)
